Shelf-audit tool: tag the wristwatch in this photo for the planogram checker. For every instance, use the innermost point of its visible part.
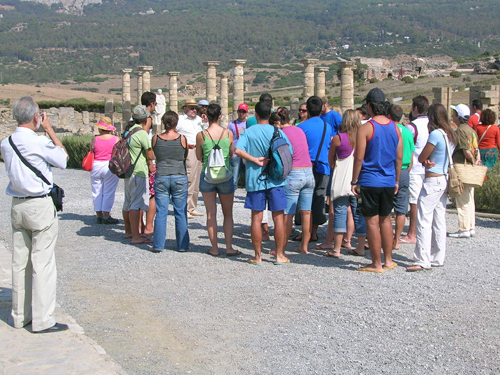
(354, 183)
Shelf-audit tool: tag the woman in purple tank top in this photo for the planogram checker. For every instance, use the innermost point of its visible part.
(341, 157)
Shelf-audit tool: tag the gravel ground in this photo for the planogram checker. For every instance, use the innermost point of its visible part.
(180, 313)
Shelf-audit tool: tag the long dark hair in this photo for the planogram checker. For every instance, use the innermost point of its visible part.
(438, 119)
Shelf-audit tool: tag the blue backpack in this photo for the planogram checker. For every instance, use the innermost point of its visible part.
(280, 159)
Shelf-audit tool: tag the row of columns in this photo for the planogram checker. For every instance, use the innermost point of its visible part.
(311, 87)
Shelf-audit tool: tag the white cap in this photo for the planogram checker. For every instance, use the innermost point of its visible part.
(462, 110)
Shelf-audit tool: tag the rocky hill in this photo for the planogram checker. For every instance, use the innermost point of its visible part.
(69, 6)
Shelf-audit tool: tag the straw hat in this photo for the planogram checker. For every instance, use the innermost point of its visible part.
(191, 102)
(105, 123)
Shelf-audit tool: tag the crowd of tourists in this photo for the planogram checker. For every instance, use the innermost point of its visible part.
(367, 166)
(350, 170)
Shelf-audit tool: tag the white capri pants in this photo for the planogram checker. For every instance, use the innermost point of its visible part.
(104, 185)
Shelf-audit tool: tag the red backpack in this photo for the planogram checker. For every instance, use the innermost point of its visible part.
(120, 163)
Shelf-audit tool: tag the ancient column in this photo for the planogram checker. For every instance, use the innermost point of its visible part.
(172, 93)
(211, 80)
(126, 107)
(238, 84)
(146, 78)
(321, 81)
(139, 86)
(294, 108)
(346, 85)
(224, 98)
(308, 77)
(109, 109)
(443, 95)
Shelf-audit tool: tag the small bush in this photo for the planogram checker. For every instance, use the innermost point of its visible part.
(374, 80)
(455, 74)
(486, 197)
(408, 79)
(467, 79)
(77, 147)
(79, 104)
(88, 89)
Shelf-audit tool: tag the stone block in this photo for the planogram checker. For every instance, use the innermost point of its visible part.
(85, 118)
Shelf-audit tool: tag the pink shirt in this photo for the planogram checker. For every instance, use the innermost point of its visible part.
(298, 139)
(103, 149)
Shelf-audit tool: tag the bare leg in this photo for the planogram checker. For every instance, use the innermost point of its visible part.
(126, 221)
(314, 232)
(211, 209)
(279, 236)
(265, 232)
(360, 248)
(411, 236)
(400, 223)
(150, 217)
(226, 201)
(374, 238)
(328, 244)
(256, 232)
(386, 235)
(306, 230)
(134, 216)
(350, 227)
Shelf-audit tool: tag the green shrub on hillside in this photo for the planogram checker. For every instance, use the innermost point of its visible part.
(77, 147)
(79, 104)
(408, 79)
(455, 74)
(486, 197)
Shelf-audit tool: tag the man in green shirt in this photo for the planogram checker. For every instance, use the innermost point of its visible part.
(401, 200)
(137, 185)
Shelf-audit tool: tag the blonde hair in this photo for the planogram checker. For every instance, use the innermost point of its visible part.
(350, 125)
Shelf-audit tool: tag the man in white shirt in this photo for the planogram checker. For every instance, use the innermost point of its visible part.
(34, 217)
(418, 127)
(189, 125)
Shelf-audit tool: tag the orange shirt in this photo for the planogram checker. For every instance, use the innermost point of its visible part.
(474, 120)
(492, 137)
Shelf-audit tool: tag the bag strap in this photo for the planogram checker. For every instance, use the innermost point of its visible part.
(320, 144)
(237, 131)
(488, 128)
(450, 159)
(130, 133)
(220, 139)
(26, 163)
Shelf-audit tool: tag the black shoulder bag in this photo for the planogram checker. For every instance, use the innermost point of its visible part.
(56, 193)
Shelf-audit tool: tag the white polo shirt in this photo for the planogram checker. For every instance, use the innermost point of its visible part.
(189, 127)
(40, 152)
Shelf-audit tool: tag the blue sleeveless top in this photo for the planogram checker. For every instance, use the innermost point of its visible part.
(379, 165)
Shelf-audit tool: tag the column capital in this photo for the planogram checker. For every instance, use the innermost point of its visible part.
(173, 74)
(323, 69)
(127, 70)
(347, 64)
(223, 75)
(139, 73)
(309, 61)
(237, 62)
(146, 68)
(211, 63)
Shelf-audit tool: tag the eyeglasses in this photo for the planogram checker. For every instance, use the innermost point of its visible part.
(302, 110)
(242, 111)
(192, 108)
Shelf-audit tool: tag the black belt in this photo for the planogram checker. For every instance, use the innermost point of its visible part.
(38, 196)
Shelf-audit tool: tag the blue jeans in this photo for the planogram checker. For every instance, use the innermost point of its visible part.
(340, 215)
(235, 166)
(175, 188)
(299, 190)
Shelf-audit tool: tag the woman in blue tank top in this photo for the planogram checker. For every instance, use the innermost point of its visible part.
(431, 213)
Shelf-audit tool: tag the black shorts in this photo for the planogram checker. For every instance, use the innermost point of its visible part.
(376, 201)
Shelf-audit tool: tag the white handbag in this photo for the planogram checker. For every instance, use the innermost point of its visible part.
(342, 176)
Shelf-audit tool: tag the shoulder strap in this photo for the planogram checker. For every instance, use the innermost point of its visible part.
(488, 128)
(26, 163)
(450, 159)
(237, 131)
(218, 141)
(320, 144)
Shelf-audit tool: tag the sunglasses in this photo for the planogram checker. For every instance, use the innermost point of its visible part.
(241, 111)
(302, 110)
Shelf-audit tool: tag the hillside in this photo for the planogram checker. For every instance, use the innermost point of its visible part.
(41, 43)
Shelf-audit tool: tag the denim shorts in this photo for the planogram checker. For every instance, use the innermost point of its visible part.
(256, 200)
(340, 215)
(222, 188)
(299, 190)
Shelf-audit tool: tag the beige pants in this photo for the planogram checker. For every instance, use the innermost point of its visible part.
(466, 209)
(34, 274)
(193, 170)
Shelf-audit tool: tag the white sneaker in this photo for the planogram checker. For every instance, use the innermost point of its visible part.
(465, 234)
(472, 233)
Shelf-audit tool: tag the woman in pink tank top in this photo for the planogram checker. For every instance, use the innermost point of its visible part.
(103, 182)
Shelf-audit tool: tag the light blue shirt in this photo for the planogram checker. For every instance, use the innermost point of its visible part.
(256, 142)
(439, 155)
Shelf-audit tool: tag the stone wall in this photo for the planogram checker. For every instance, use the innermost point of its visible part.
(64, 120)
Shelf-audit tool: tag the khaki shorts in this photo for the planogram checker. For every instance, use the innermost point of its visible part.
(136, 193)
(416, 183)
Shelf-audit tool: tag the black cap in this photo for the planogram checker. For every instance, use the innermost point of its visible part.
(375, 95)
